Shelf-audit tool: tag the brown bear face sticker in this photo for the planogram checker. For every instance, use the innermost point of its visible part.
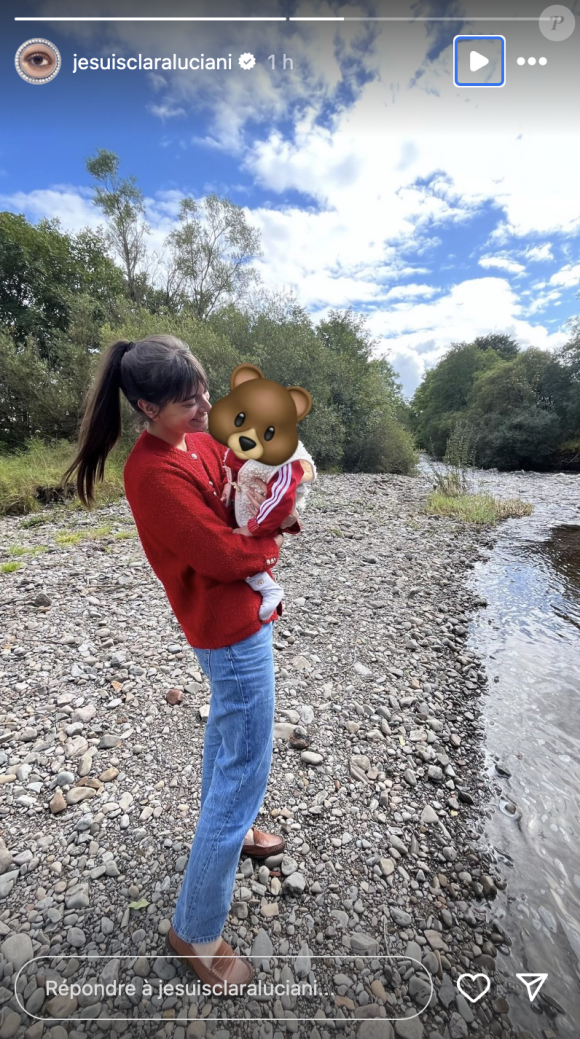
(258, 417)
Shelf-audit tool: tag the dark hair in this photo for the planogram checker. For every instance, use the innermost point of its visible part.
(159, 369)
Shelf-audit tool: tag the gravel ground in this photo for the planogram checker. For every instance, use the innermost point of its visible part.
(377, 783)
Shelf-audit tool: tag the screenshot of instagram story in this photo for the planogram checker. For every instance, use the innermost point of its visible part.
(290, 519)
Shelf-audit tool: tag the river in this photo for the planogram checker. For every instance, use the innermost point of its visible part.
(528, 637)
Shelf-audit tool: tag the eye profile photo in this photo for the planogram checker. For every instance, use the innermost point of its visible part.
(37, 61)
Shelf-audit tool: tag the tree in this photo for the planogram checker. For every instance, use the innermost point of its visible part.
(518, 409)
(444, 392)
(123, 203)
(43, 275)
(212, 249)
(365, 393)
(503, 345)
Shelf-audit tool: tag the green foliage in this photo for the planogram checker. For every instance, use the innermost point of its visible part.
(35, 399)
(443, 395)
(383, 446)
(123, 204)
(43, 272)
(505, 346)
(460, 450)
(507, 409)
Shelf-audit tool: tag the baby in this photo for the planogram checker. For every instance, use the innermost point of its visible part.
(285, 498)
(257, 422)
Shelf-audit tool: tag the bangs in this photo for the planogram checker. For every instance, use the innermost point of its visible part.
(184, 378)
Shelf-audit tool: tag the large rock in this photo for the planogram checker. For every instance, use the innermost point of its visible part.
(75, 746)
(17, 949)
(77, 897)
(375, 1029)
(7, 882)
(262, 949)
(409, 1028)
(5, 858)
(294, 884)
(364, 943)
(10, 1025)
(80, 793)
(61, 1006)
(84, 714)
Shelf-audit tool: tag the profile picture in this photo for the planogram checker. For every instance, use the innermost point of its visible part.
(37, 61)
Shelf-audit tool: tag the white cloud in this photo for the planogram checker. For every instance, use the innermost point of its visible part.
(569, 275)
(166, 110)
(411, 292)
(539, 252)
(502, 263)
(72, 205)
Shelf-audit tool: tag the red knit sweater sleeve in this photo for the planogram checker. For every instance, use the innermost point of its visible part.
(177, 514)
(279, 501)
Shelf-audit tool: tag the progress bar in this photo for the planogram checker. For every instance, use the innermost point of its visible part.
(458, 18)
(116, 18)
(269, 18)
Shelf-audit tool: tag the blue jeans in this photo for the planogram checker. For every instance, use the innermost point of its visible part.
(237, 754)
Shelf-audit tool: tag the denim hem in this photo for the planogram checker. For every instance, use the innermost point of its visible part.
(197, 941)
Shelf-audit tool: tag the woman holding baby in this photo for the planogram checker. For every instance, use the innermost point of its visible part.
(174, 480)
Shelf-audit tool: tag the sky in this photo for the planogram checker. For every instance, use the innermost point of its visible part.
(440, 213)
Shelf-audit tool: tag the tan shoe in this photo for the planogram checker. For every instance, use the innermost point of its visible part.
(227, 969)
(263, 844)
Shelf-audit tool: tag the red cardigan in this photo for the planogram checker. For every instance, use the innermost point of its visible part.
(187, 535)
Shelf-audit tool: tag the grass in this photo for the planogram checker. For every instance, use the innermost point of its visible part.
(73, 537)
(9, 568)
(452, 482)
(34, 475)
(476, 508)
(33, 521)
(69, 537)
(19, 550)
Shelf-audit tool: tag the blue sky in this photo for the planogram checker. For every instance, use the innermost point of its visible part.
(439, 213)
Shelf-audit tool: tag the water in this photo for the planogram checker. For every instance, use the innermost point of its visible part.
(529, 639)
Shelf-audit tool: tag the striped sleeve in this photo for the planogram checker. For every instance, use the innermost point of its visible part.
(279, 501)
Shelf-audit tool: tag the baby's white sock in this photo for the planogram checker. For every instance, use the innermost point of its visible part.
(271, 592)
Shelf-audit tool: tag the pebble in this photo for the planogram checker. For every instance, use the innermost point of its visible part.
(372, 784)
(294, 884)
(311, 757)
(409, 1028)
(17, 949)
(429, 815)
(76, 937)
(10, 1025)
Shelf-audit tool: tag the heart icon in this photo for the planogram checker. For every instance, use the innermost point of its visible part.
(474, 978)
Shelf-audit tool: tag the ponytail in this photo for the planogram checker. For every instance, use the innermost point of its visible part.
(159, 369)
(101, 426)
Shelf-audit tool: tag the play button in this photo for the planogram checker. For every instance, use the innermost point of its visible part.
(477, 61)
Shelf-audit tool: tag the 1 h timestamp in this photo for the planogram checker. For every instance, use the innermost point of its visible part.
(287, 62)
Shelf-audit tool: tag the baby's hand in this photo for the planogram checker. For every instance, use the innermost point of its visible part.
(244, 531)
(256, 493)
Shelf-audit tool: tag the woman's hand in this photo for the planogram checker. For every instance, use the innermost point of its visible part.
(243, 530)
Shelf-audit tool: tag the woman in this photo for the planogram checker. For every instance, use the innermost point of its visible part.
(173, 481)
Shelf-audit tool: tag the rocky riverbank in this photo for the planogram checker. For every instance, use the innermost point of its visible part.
(376, 782)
